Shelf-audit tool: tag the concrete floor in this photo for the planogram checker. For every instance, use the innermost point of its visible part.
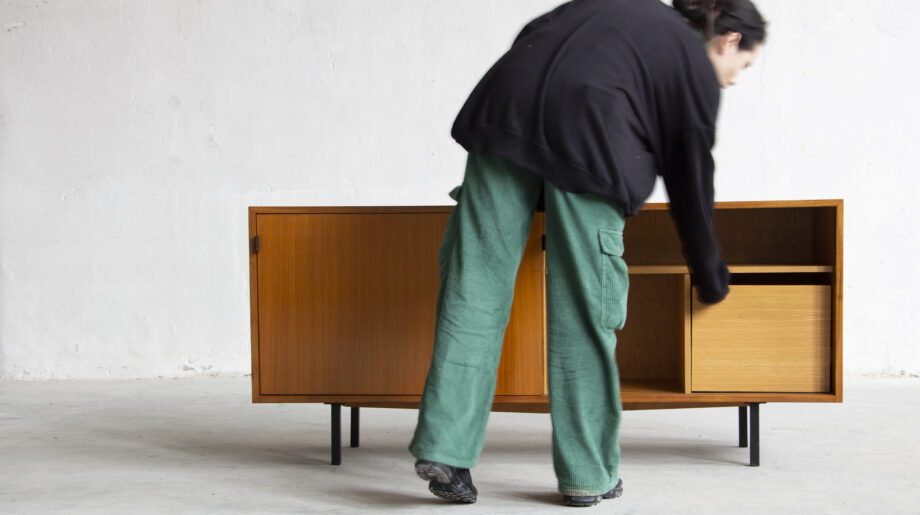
(201, 446)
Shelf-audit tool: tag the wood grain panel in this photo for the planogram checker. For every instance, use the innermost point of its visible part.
(650, 238)
(837, 379)
(337, 315)
(650, 396)
(828, 248)
(521, 370)
(347, 304)
(649, 346)
(753, 204)
(765, 236)
(735, 269)
(763, 338)
(825, 236)
(254, 305)
(776, 234)
(685, 317)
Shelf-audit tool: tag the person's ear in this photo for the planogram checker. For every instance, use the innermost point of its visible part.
(732, 40)
(726, 43)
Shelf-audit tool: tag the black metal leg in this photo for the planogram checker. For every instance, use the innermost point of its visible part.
(742, 427)
(336, 434)
(755, 434)
(354, 425)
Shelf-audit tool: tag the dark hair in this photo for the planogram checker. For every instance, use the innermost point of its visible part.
(717, 17)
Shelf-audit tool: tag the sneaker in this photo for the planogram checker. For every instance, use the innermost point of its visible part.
(447, 482)
(591, 500)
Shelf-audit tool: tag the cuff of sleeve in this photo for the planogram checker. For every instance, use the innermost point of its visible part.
(714, 288)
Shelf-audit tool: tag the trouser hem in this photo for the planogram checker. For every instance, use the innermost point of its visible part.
(443, 458)
(586, 490)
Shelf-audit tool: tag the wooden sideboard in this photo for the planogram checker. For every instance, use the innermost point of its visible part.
(343, 306)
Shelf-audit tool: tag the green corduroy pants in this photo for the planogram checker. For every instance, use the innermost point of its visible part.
(586, 288)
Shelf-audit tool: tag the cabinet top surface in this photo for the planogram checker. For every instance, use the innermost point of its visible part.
(759, 204)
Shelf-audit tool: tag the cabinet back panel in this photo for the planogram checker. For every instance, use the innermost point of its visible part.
(650, 344)
(773, 236)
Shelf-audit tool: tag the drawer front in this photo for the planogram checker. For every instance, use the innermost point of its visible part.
(763, 338)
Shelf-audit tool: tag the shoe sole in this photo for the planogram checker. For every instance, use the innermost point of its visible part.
(587, 501)
(444, 491)
(617, 491)
(583, 503)
(440, 483)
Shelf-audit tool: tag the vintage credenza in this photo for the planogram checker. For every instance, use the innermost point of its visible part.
(343, 305)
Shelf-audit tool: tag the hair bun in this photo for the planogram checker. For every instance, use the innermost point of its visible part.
(714, 17)
(701, 14)
(705, 6)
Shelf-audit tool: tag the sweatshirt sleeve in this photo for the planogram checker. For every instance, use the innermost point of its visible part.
(689, 182)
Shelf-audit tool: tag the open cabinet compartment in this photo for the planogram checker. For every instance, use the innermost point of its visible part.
(652, 348)
(775, 333)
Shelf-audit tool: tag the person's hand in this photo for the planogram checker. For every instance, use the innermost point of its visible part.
(709, 298)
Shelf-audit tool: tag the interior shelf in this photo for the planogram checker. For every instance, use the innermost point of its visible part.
(735, 269)
(649, 386)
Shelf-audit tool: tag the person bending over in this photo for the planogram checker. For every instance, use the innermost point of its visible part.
(593, 100)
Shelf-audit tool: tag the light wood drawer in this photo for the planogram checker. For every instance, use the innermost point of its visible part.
(763, 338)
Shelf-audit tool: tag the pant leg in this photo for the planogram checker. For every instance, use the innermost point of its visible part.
(479, 259)
(587, 283)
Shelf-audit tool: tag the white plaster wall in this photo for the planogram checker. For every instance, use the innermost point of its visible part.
(135, 134)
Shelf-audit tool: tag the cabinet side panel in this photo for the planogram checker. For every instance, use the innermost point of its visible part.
(685, 327)
(838, 303)
(827, 242)
(254, 303)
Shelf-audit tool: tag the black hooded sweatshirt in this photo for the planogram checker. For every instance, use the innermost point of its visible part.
(600, 96)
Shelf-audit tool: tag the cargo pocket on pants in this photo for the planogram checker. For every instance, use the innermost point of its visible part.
(450, 231)
(614, 280)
